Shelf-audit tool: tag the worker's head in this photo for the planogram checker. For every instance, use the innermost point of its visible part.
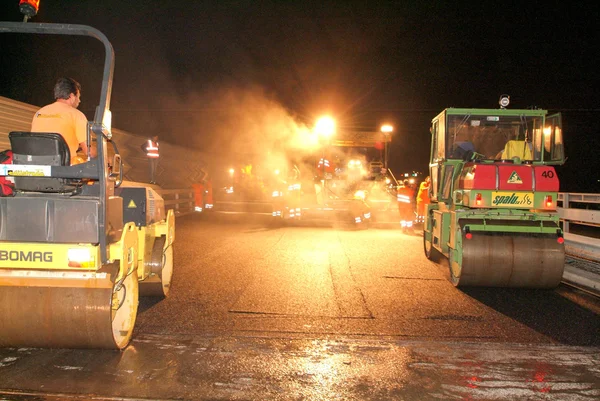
(68, 90)
(405, 183)
(155, 138)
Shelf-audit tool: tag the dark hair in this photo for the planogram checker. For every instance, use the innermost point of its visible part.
(64, 87)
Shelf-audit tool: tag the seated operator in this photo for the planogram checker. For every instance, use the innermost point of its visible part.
(515, 148)
(461, 149)
(62, 117)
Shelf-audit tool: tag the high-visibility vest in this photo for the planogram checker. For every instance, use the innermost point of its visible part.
(405, 195)
(152, 149)
(423, 194)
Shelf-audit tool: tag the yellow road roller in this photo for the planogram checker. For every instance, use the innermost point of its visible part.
(77, 244)
(494, 195)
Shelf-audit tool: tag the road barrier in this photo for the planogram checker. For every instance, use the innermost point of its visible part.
(181, 201)
(580, 219)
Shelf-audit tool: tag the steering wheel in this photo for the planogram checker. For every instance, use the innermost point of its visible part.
(471, 155)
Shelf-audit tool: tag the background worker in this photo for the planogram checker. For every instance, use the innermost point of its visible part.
(62, 117)
(405, 206)
(150, 147)
(423, 199)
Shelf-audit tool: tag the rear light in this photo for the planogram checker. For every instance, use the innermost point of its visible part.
(468, 234)
(478, 200)
(81, 257)
(560, 239)
(548, 201)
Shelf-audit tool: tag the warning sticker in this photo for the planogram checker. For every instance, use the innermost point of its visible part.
(514, 178)
(131, 205)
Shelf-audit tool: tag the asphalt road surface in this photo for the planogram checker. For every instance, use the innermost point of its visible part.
(320, 313)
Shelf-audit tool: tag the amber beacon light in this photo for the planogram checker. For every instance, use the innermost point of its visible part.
(29, 8)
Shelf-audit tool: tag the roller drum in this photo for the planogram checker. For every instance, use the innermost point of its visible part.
(510, 260)
(72, 311)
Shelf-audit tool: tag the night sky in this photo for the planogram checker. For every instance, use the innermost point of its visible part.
(233, 77)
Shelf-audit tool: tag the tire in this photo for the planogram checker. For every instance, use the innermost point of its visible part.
(430, 252)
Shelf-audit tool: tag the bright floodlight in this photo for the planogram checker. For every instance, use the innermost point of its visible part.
(325, 127)
(387, 128)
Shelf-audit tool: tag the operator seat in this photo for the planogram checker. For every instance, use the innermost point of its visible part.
(45, 149)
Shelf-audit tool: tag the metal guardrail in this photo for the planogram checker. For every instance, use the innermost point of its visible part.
(181, 201)
(581, 222)
(580, 218)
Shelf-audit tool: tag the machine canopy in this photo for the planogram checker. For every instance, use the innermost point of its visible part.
(531, 138)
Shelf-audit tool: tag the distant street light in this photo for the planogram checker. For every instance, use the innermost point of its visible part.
(387, 130)
(325, 127)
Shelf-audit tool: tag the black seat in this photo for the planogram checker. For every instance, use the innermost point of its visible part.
(45, 149)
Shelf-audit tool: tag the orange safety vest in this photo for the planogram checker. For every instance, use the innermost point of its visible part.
(423, 195)
(405, 195)
(152, 149)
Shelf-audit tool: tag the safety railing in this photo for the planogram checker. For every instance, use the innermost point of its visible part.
(181, 201)
(580, 219)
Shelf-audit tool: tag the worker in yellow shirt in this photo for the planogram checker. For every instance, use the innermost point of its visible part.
(62, 117)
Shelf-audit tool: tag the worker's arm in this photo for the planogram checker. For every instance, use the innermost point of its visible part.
(81, 133)
(83, 149)
(92, 151)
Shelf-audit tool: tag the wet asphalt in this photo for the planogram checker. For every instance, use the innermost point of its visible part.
(258, 311)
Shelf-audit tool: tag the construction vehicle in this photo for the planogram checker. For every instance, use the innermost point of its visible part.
(494, 196)
(77, 244)
(247, 190)
(345, 181)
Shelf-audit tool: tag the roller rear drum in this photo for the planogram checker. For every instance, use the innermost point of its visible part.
(509, 260)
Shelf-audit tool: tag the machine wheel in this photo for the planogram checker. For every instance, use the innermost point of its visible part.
(509, 260)
(158, 283)
(454, 269)
(125, 301)
(430, 252)
(81, 310)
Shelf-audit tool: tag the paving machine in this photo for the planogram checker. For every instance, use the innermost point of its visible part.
(77, 245)
(247, 190)
(494, 196)
(346, 180)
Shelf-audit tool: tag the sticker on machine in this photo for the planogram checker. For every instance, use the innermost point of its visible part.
(511, 199)
(24, 170)
(514, 179)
